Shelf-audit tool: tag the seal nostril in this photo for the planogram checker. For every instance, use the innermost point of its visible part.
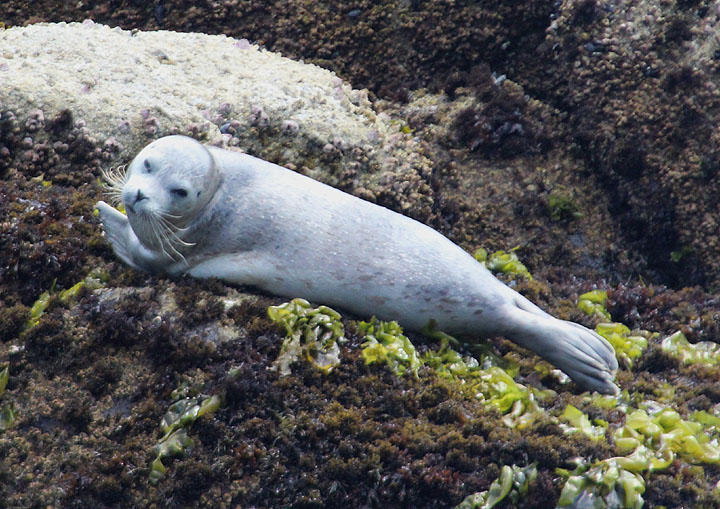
(139, 196)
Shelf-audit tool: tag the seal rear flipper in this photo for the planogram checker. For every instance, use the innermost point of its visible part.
(580, 353)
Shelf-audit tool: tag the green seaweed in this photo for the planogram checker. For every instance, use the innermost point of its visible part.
(681, 254)
(7, 417)
(502, 261)
(510, 486)
(4, 377)
(652, 437)
(186, 411)
(94, 280)
(384, 342)
(312, 334)
(709, 421)
(593, 304)
(704, 352)
(666, 434)
(492, 382)
(7, 414)
(628, 346)
(605, 401)
(489, 383)
(173, 445)
(652, 441)
(605, 485)
(38, 309)
(580, 423)
(175, 440)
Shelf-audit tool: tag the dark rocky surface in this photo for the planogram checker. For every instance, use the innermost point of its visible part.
(597, 155)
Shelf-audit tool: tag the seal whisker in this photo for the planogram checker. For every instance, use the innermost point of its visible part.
(167, 215)
(115, 178)
(167, 238)
(159, 236)
(172, 232)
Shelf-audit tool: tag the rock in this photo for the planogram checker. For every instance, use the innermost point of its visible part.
(134, 86)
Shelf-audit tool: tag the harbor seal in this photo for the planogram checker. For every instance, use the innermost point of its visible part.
(208, 212)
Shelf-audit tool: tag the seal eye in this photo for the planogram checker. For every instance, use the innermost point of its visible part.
(148, 168)
(182, 193)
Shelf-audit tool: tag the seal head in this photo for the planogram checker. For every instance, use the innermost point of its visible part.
(166, 186)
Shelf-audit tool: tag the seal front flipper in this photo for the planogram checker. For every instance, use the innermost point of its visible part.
(117, 229)
(580, 353)
(123, 240)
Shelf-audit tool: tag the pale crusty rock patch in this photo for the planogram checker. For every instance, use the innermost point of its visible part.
(134, 86)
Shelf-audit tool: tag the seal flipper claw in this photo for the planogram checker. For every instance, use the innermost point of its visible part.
(601, 346)
(601, 385)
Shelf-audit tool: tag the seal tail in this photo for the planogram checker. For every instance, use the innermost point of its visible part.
(582, 354)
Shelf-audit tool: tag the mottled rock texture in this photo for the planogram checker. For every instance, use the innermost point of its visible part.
(581, 131)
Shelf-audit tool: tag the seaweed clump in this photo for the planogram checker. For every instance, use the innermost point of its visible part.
(511, 487)
(651, 436)
(704, 352)
(7, 414)
(488, 382)
(628, 345)
(384, 342)
(503, 262)
(179, 416)
(312, 334)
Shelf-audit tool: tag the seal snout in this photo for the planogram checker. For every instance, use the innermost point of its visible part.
(132, 199)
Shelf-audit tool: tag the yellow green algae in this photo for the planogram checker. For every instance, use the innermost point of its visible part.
(385, 343)
(175, 440)
(7, 414)
(510, 486)
(312, 334)
(593, 304)
(665, 435)
(604, 485)
(562, 207)
(580, 423)
(489, 383)
(502, 261)
(705, 352)
(4, 377)
(651, 437)
(96, 279)
(627, 344)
